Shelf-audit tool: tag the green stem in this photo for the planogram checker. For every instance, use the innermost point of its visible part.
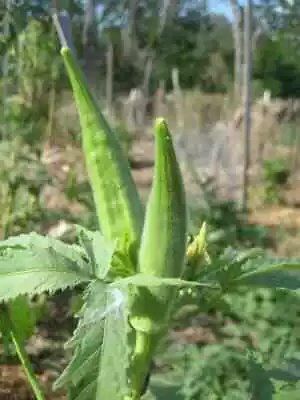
(21, 352)
(143, 353)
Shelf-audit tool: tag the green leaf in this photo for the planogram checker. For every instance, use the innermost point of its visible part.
(23, 317)
(290, 371)
(162, 389)
(4, 330)
(261, 386)
(34, 240)
(288, 391)
(82, 372)
(32, 264)
(228, 268)
(271, 273)
(99, 251)
(277, 383)
(98, 367)
(112, 382)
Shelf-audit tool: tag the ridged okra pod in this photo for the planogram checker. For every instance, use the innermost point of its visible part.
(119, 208)
(161, 253)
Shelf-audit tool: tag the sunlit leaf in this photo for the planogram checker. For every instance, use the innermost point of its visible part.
(98, 367)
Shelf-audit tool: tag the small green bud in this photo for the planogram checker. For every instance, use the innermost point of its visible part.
(197, 248)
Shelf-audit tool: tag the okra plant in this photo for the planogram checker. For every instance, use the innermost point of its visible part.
(138, 269)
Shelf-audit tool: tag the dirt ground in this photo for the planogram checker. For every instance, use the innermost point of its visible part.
(46, 354)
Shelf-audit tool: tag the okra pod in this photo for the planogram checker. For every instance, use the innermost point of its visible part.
(118, 205)
(161, 254)
(164, 237)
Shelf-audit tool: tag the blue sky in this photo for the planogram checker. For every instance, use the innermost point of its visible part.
(220, 6)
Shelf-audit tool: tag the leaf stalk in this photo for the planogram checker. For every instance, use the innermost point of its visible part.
(22, 355)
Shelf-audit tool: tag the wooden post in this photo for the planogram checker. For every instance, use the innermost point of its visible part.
(247, 98)
(178, 97)
(5, 58)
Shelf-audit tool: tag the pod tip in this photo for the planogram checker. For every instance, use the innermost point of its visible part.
(64, 50)
(161, 127)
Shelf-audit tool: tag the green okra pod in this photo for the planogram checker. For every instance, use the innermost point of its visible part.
(161, 254)
(164, 237)
(119, 208)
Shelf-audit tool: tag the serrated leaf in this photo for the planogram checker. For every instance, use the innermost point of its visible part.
(38, 269)
(228, 268)
(86, 342)
(124, 259)
(98, 367)
(271, 273)
(35, 241)
(99, 250)
(112, 382)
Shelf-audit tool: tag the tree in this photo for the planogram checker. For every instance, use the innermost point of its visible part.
(237, 39)
(247, 97)
(89, 32)
(276, 67)
(277, 60)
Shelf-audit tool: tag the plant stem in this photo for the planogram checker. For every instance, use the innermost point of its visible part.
(21, 352)
(144, 348)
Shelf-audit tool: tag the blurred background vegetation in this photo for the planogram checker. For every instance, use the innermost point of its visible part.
(182, 60)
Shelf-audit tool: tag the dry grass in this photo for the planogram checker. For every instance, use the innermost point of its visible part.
(208, 132)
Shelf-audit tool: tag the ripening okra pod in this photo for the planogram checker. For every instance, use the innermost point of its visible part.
(118, 205)
(164, 238)
(162, 250)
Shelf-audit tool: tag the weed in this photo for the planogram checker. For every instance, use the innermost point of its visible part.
(276, 175)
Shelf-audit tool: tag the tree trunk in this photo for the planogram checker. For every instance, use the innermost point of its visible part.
(5, 60)
(178, 98)
(146, 84)
(237, 39)
(89, 34)
(5, 57)
(247, 98)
